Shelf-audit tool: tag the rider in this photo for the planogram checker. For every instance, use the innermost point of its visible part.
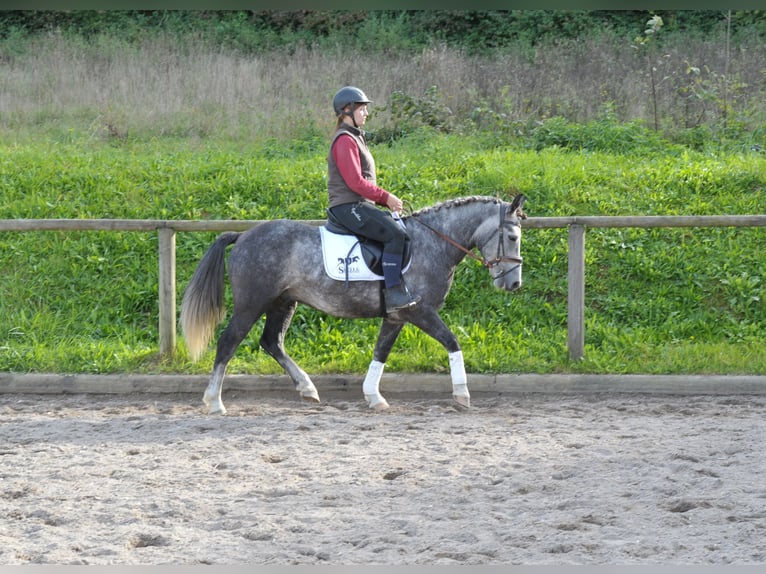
(353, 194)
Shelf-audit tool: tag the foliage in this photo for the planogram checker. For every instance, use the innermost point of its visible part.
(263, 30)
(408, 114)
(603, 134)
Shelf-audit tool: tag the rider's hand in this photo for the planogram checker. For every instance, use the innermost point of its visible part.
(394, 203)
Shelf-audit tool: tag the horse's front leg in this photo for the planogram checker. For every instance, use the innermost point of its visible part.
(371, 387)
(428, 320)
(460, 392)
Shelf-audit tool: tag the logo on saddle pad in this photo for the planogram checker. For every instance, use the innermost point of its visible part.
(349, 258)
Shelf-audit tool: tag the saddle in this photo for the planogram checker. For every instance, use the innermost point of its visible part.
(350, 257)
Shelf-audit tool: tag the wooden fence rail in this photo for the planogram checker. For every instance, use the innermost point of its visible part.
(577, 225)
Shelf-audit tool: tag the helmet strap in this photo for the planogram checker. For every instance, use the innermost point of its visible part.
(351, 114)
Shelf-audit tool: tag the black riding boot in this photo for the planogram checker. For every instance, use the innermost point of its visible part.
(396, 294)
(399, 297)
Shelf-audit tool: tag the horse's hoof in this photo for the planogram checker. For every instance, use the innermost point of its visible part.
(213, 404)
(463, 403)
(220, 410)
(376, 403)
(310, 397)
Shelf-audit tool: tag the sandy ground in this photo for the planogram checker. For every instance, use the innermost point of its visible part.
(534, 479)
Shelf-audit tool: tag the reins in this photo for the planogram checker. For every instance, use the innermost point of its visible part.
(500, 256)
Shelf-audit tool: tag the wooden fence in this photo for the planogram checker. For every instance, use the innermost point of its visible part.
(167, 230)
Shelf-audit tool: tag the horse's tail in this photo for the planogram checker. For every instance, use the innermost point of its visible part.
(202, 308)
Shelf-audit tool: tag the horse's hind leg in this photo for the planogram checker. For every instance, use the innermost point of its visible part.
(232, 336)
(278, 319)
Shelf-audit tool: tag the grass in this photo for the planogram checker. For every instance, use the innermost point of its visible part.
(658, 300)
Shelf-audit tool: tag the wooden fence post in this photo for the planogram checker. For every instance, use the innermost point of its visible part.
(167, 291)
(576, 292)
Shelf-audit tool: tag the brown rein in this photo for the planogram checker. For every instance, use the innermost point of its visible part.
(488, 263)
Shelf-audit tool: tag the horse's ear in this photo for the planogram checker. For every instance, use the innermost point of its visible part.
(517, 204)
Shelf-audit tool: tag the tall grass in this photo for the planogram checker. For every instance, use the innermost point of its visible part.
(170, 86)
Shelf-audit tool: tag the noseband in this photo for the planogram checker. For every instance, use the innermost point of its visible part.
(500, 256)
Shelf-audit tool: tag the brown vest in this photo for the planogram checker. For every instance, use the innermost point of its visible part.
(337, 189)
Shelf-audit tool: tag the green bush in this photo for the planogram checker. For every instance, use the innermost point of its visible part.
(604, 134)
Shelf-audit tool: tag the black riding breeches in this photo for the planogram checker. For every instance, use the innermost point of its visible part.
(364, 219)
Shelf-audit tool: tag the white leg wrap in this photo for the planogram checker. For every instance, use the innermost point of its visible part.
(371, 386)
(212, 396)
(459, 379)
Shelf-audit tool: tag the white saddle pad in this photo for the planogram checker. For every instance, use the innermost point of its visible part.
(341, 252)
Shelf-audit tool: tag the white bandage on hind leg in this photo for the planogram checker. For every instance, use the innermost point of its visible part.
(457, 371)
(371, 385)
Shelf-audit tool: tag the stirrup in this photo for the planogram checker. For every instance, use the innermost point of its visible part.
(398, 298)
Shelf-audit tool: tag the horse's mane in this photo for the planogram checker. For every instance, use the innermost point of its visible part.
(456, 202)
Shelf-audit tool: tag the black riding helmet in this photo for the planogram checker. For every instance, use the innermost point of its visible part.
(349, 95)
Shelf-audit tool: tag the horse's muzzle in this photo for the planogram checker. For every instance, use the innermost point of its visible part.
(508, 285)
(508, 282)
(508, 279)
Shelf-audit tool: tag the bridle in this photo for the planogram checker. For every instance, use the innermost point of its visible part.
(500, 255)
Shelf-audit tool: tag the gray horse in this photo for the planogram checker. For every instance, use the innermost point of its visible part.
(278, 264)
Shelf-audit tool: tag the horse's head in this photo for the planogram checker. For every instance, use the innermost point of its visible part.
(500, 244)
